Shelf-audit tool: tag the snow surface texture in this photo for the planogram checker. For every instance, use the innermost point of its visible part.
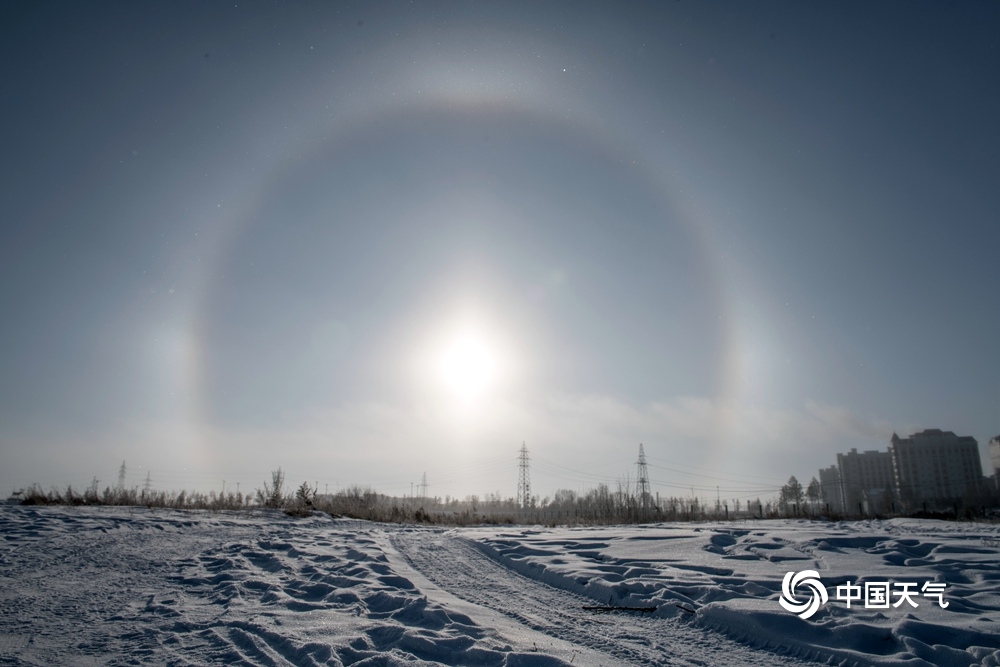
(92, 586)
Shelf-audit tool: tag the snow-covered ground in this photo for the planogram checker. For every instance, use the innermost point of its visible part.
(93, 586)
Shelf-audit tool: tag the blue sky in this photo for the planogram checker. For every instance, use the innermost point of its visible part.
(367, 241)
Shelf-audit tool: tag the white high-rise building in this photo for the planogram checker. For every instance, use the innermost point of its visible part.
(935, 467)
(866, 481)
(995, 459)
(829, 483)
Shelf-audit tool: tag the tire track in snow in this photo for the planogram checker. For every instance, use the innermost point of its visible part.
(457, 566)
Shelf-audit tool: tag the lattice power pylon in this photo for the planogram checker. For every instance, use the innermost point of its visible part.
(642, 484)
(523, 480)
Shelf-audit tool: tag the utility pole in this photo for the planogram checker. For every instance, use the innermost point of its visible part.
(523, 481)
(642, 484)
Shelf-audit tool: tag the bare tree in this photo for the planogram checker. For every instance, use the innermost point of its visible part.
(814, 491)
(273, 494)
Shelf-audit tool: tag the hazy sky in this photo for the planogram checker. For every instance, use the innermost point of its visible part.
(364, 241)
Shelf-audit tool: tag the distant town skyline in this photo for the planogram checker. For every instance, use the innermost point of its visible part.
(366, 241)
(931, 470)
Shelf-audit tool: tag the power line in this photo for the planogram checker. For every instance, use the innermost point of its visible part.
(716, 477)
(573, 475)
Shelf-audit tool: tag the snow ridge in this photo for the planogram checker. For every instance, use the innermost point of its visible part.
(541, 599)
(728, 578)
(86, 585)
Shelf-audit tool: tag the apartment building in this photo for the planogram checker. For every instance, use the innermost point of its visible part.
(829, 484)
(935, 467)
(995, 460)
(866, 481)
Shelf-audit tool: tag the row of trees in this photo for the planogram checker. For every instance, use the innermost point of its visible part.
(599, 505)
(792, 493)
(93, 495)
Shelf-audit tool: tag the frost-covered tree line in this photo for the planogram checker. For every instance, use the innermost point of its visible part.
(601, 504)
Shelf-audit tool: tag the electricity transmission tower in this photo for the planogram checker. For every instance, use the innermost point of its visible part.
(423, 486)
(523, 482)
(642, 484)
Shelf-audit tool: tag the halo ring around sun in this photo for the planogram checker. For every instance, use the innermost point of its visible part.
(467, 367)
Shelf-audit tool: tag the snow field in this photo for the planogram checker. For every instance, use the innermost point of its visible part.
(730, 576)
(84, 586)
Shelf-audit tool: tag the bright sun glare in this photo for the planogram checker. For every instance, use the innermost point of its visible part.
(468, 367)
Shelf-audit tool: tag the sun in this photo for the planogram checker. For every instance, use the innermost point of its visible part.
(468, 366)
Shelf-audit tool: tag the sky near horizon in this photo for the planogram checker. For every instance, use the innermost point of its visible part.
(367, 241)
